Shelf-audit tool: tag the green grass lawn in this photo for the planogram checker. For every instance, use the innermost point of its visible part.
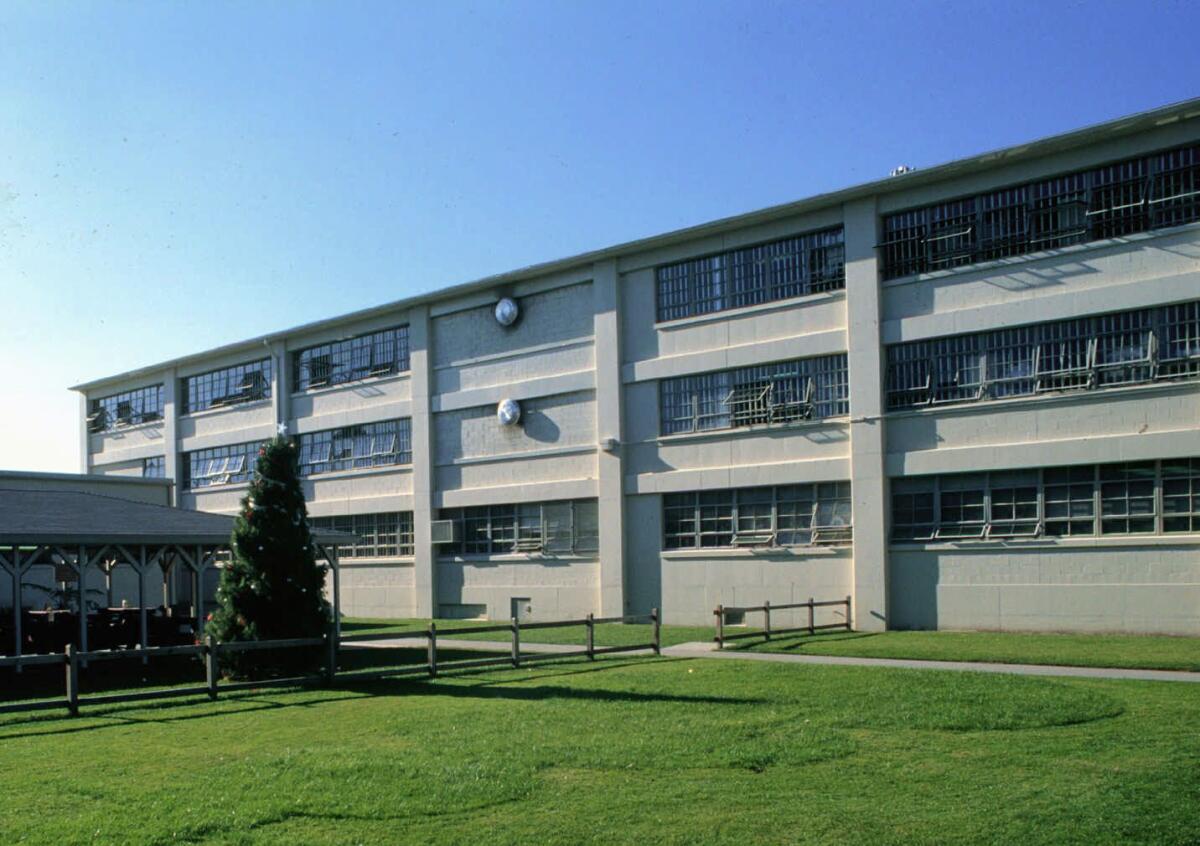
(1079, 650)
(621, 751)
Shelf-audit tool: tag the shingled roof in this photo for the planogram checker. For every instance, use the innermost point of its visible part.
(75, 517)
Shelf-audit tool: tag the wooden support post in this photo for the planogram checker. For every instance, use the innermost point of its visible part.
(767, 618)
(332, 556)
(331, 643)
(656, 622)
(17, 603)
(720, 614)
(591, 637)
(211, 665)
(848, 627)
(143, 623)
(81, 567)
(72, 664)
(516, 642)
(432, 635)
(811, 622)
(198, 598)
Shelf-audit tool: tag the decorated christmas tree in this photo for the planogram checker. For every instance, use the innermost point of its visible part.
(273, 588)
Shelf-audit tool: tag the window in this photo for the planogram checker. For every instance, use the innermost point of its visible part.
(225, 465)
(1123, 348)
(1056, 502)
(154, 468)
(1118, 199)
(553, 528)
(788, 515)
(127, 409)
(764, 394)
(230, 386)
(379, 444)
(376, 354)
(385, 535)
(792, 267)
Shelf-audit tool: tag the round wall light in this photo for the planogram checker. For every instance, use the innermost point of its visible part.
(507, 311)
(508, 412)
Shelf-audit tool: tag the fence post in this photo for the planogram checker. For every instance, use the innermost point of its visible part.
(848, 615)
(811, 628)
(516, 642)
(331, 656)
(767, 618)
(210, 665)
(72, 664)
(656, 619)
(591, 637)
(720, 612)
(432, 635)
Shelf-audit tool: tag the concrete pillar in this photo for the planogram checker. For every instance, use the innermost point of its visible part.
(867, 477)
(609, 431)
(421, 369)
(85, 440)
(170, 431)
(281, 383)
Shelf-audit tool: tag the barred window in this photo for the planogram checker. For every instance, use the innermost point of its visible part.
(382, 535)
(569, 526)
(229, 386)
(349, 360)
(787, 515)
(792, 267)
(224, 465)
(1129, 498)
(129, 408)
(1118, 199)
(785, 392)
(379, 444)
(154, 468)
(1123, 348)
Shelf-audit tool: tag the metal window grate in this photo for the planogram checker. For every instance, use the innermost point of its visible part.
(380, 535)
(154, 468)
(791, 267)
(550, 527)
(764, 394)
(380, 444)
(1117, 199)
(788, 515)
(228, 386)
(129, 408)
(352, 359)
(223, 465)
(1122, 348)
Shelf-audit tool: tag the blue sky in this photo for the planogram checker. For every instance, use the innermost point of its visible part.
(174, 176)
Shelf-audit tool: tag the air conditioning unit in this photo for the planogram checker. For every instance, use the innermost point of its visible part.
(443, 531)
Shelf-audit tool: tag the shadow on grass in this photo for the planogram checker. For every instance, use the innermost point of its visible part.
(797, 642)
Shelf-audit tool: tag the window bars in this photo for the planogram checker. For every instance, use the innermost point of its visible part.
(792, 267)
(1151, 192)
(783, 516)
(224, 465)
(1129, 498)
(1123, 348)
(379, 444)
(382, 535)
(804, 389)
(553, 528)
(228, 386)
(352, 359)
(130, 408)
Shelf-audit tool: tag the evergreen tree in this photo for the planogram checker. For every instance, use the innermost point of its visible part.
(273, 588)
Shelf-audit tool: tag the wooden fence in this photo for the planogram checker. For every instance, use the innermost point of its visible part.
(766, 608)
(210, 651)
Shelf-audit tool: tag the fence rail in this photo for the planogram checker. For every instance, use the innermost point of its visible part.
(721, 611)
(210, 651)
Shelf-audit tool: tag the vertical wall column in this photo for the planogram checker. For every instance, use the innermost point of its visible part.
(424, 552)
(867, 476)
(170, 431)
(281, 383)
(610, 474)
(85, 438)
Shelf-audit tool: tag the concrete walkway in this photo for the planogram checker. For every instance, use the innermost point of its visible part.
(709, 650)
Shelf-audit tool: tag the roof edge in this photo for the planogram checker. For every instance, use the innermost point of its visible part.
(1117, 127)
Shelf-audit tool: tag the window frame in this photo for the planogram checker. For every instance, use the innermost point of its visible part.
(806, 514)
(125, 409)
(351, 359)
(199, 391)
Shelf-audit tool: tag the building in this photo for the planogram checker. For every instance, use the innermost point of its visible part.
(966, 396)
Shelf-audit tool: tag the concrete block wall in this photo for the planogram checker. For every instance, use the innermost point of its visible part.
(586, 361)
